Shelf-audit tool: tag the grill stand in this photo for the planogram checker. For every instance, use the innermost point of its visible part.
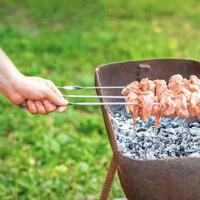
(160, 179)
(108, 180)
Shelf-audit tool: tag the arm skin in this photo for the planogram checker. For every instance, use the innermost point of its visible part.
(41, 95)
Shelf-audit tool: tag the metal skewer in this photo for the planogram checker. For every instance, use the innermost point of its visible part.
(78, 87)
(94, 96)
(24, 105)
(100, 103)
(104, 103)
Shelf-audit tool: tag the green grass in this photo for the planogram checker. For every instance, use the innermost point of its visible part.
(65, 156)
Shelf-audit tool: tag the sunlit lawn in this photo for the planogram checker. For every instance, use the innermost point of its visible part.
(65, 156)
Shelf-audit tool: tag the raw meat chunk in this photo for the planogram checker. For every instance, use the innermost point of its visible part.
(181, 97)
(181, 106)
(145, 100)
(194, 83)
(133, 98)
(176, 83)
(167, 106)
(133, 87)
(194, 105)
(161, 88)
(156, 111)
(147, 85)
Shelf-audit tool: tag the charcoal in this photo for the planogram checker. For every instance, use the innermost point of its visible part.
(194, 131)
(175, 124)
(174, 137)
(141, 129)
(195, 155)
(164, 125)
(194, 124)
(130, 146)
(151, 122)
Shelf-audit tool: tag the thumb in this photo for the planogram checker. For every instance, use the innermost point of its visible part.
(16, 99)
(55, 99)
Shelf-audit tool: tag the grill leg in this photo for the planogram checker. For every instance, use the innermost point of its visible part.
(109, 179)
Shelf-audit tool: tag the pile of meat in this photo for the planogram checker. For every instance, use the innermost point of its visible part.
(181, 97)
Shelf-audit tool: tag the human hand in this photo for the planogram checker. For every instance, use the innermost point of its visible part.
(41, 95)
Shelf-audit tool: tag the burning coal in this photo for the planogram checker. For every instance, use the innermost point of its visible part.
(174, 137)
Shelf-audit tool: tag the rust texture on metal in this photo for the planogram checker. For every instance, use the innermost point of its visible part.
(109, 179)
(174, 179)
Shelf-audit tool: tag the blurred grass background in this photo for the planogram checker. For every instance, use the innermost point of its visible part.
(65, 156)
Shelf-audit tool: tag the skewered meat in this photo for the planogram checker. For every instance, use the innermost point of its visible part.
(194, 104)
(181, 106)
(156, 111)
(133, 87)
(195, 83)
(145, 100)
(167, 106)
(186, 83)
(147, 85)
(175, 83)
(160, 88)
(181, 97)
(186, 93)
(132, 97)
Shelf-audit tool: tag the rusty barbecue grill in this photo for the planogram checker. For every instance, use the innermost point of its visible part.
(174, 179)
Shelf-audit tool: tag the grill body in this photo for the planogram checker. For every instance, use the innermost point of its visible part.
(170, 179)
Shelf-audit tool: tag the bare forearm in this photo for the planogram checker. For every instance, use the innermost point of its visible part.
(8, 73)
(41, 95)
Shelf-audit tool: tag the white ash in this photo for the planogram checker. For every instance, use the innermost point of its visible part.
(174, 137)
